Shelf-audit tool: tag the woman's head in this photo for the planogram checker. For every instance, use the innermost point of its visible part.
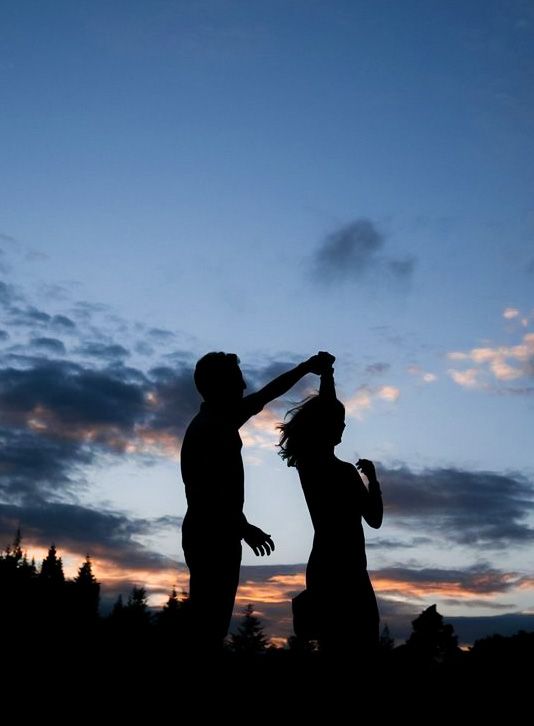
(315, 425)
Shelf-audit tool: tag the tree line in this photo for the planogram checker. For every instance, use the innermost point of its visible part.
(39, 605)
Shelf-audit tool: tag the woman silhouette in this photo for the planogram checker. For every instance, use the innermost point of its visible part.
(338, 607)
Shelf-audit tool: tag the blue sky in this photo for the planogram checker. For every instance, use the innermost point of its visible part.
(272, 179)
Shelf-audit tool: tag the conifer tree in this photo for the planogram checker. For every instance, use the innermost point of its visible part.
(431, 638)
(250, 638)
(52, 567)
(86, 591)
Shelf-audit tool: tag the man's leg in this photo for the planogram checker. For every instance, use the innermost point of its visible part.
(214, 578)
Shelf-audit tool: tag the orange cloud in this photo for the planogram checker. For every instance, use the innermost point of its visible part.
(276, 589)
(261, 430)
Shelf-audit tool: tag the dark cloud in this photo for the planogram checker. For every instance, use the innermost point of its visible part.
(159, 334)
(353, 252)
(71, 395)
(4, 335)
(111, 351)
(479, 579)
(176, 399)
(394, 544)
(377, 368)
(33, 468)
(58, 416)
(476, 508)
(348, 252)
(104, 534)
(29, 316)
(49, 345)
(63, 322)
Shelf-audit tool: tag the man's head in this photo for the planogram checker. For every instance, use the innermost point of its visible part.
(218, 377)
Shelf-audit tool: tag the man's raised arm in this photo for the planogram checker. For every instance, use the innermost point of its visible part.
(317, 364)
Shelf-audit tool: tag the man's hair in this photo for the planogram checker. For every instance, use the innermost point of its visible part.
(212, 373)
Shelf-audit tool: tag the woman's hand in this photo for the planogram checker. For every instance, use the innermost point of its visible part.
(368, 468)
(320, 363)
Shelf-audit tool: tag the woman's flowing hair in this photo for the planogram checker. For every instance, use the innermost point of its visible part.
(307, 427)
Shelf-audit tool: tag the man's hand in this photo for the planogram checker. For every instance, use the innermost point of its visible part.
(321, 362)
(258, 540)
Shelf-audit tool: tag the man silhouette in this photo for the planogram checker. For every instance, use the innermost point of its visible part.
(212, 471)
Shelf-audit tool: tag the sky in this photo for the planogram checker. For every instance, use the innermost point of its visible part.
(272, 179)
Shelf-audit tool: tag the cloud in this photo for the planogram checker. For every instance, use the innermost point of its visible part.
(33, 468)
(510, 313)
(107, 535)
(480, 579)
(394, 544)
(377, 368)
(477, 508)
(466, 379)
(67, 396)
(493, 363)
(63, 323)
(402, 593)
(4, 335)
(352, 252)
(49, 345)
(111, 351)
(424, 376)
(8, 295)
(388, 393)
(364, 397)
(159, 334)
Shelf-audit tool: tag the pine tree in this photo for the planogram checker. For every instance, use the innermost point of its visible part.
(17, 584)
(52, 567)
(86, 591)
(431, 639)
(171, 620)
(136, 609)
(250, 638)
